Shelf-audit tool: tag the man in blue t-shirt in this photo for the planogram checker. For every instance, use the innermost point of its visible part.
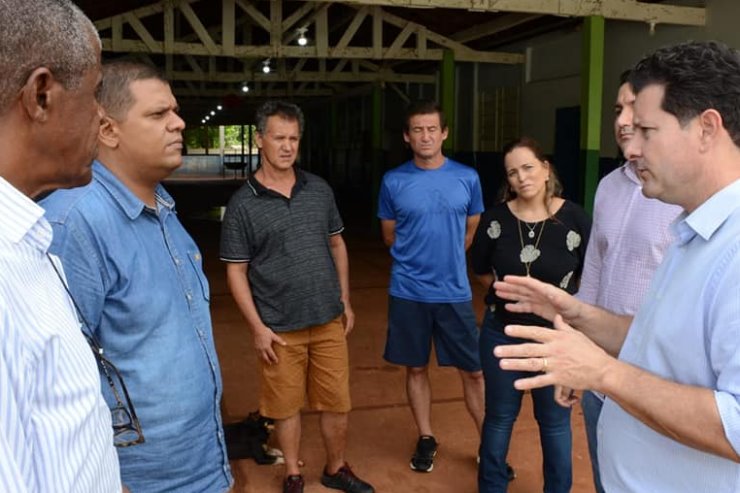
(429, 209)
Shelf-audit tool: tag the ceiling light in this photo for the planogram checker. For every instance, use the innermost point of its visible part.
(207, 118)
(213, 113)
(302, 39)
(245, 87)
(266, 66)
(203, 120)
(219, 107)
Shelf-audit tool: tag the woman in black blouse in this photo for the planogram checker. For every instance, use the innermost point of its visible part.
(536, 233)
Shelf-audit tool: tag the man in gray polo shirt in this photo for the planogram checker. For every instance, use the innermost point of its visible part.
(288, 271)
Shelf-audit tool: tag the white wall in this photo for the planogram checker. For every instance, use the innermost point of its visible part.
(625, 43)
(555, 66)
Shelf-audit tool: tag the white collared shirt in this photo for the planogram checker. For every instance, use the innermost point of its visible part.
(55, 428)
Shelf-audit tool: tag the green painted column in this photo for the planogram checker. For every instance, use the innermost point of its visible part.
(447, 97)
(592, 78)
(376, 173)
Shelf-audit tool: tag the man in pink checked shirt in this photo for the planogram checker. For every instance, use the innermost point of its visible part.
(628, 239)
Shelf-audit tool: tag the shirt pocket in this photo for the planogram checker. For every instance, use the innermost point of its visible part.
(197, 261)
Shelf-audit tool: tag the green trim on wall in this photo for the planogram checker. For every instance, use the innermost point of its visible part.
(590, 161)
(592, 83)
(447, 97)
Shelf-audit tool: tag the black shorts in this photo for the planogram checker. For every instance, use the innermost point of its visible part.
(412, 325)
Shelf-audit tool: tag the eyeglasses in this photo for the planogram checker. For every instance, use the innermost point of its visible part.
(126, 426)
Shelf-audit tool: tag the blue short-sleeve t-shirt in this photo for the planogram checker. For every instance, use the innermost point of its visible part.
(430, 208)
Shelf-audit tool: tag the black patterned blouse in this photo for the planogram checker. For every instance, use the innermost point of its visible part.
(551, 251)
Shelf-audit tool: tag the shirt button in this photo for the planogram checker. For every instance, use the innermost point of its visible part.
(177, 261)
(189, 297)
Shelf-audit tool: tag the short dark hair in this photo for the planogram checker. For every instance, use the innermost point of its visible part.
(624, 77)
(424, 107)
(115, 95)
(283, 109)
(696, 76)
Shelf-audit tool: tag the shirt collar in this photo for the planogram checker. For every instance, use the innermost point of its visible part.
(131, 205)
(21, 218)
(259, 189)
(629, 171)
(706, 219)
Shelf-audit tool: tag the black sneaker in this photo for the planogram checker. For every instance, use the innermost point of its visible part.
(423, 459)
(344, 479)
(293, 484)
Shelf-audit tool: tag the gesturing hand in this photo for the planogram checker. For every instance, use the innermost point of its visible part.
(565, 357)
(540, 298)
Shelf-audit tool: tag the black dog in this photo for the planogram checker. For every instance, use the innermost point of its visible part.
(247, 439)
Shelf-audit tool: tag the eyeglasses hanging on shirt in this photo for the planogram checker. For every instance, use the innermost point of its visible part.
(126, 426)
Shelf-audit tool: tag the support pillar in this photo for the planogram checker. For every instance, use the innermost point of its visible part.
(592, 78)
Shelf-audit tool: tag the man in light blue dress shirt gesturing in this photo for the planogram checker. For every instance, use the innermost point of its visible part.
(671, 374)
(137, 277)
(629, 237)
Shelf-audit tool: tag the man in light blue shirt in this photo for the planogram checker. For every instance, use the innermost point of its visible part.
(629, 237)
(137, 277)
(671, 421)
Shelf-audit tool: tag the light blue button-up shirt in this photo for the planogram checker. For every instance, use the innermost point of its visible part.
(137, 277)
(687, 331)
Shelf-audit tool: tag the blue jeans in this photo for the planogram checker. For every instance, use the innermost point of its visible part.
(591, 406)
(503, 403)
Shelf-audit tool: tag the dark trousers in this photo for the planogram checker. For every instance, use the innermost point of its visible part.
(503, 403)
(591, 406)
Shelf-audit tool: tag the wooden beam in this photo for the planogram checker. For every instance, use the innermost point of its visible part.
(228, 26)
(139, 28)
(276, 26)
(377, 33)
(255, 14)
(322, 34)
(301, 76)
(253, 93)
(297, 15)
(169, 25)
(262, 51)
(492, 27)
(400, 39)
(198, 27)
(352, 28)
(625, 10)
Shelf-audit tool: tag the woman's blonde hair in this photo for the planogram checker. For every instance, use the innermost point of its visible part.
(553, 188)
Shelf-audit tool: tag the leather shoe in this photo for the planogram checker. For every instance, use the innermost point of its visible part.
(344, 479)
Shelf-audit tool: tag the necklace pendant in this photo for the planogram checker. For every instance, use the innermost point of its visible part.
(531, 234)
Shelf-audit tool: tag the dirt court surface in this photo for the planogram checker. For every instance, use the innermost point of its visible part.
(382, 434)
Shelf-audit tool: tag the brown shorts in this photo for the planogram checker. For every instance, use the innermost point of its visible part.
(314, 364)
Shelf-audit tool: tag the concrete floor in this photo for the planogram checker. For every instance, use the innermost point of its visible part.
(382, 431)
